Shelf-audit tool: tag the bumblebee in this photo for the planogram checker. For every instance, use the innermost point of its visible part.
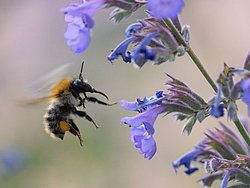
(65, 99)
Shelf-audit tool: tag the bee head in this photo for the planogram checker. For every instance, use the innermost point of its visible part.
(80, 86)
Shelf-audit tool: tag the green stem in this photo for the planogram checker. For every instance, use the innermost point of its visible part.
(191, 53)
(198, 63)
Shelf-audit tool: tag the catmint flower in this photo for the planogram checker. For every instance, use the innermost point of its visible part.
(121, 50)
(80, 22)
(245, 86)
(179, 99)
(133, 29)
(217, 108)
(142, 137)
(152, 42)
(142, 53)
(162, 9)
(224, 155)
(186, 161)
(142, 124)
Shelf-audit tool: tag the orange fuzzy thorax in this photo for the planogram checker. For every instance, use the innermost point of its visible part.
(61, 87)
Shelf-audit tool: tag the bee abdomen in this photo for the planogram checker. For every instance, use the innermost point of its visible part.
(52, 124)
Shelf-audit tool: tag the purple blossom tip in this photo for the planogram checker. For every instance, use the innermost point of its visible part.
(87, 8)
(132, 29)
(143, 53)
(121, 50)
(162, 9)
(186, 161)
(141, 105)
(217, 110)
(132, 106)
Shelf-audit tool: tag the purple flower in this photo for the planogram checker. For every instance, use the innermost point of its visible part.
(162, 9)
(187, 159)
(78, 37)
(245, 86)
(133, 29)
(142, 129)
(121, 50)
(225, 180)
(217, 109)
(142, 137)
(142, 53)
(80, 22)
(85, 7)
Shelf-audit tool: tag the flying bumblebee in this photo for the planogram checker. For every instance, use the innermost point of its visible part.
(64, 98)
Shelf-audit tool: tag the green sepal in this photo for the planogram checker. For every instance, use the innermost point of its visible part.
(207, 181)
(232, 141)
(224, 150)
(181, 117)
(232, 111)
(242, 175)
(187, 129)
(201, 115)
(118, 14)
(178, 107)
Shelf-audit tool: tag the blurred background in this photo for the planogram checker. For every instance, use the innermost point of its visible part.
(32, 44)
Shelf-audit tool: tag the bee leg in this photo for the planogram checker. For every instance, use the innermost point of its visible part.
(74, 130)
(84, 114)
(95, 100)
(82, 102)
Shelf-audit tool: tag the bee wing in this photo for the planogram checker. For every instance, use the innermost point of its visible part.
(39, 90)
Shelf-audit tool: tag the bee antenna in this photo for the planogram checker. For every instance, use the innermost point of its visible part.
(80, 75)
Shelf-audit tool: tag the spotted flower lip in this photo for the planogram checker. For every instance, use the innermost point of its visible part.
(142, 128)
(142, 137)
(78, 39)
(162, 9)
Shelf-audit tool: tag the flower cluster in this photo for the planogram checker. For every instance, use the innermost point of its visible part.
(224, 155)
(158, 38)
(79, 17)
(178, 99)
(152, 42)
